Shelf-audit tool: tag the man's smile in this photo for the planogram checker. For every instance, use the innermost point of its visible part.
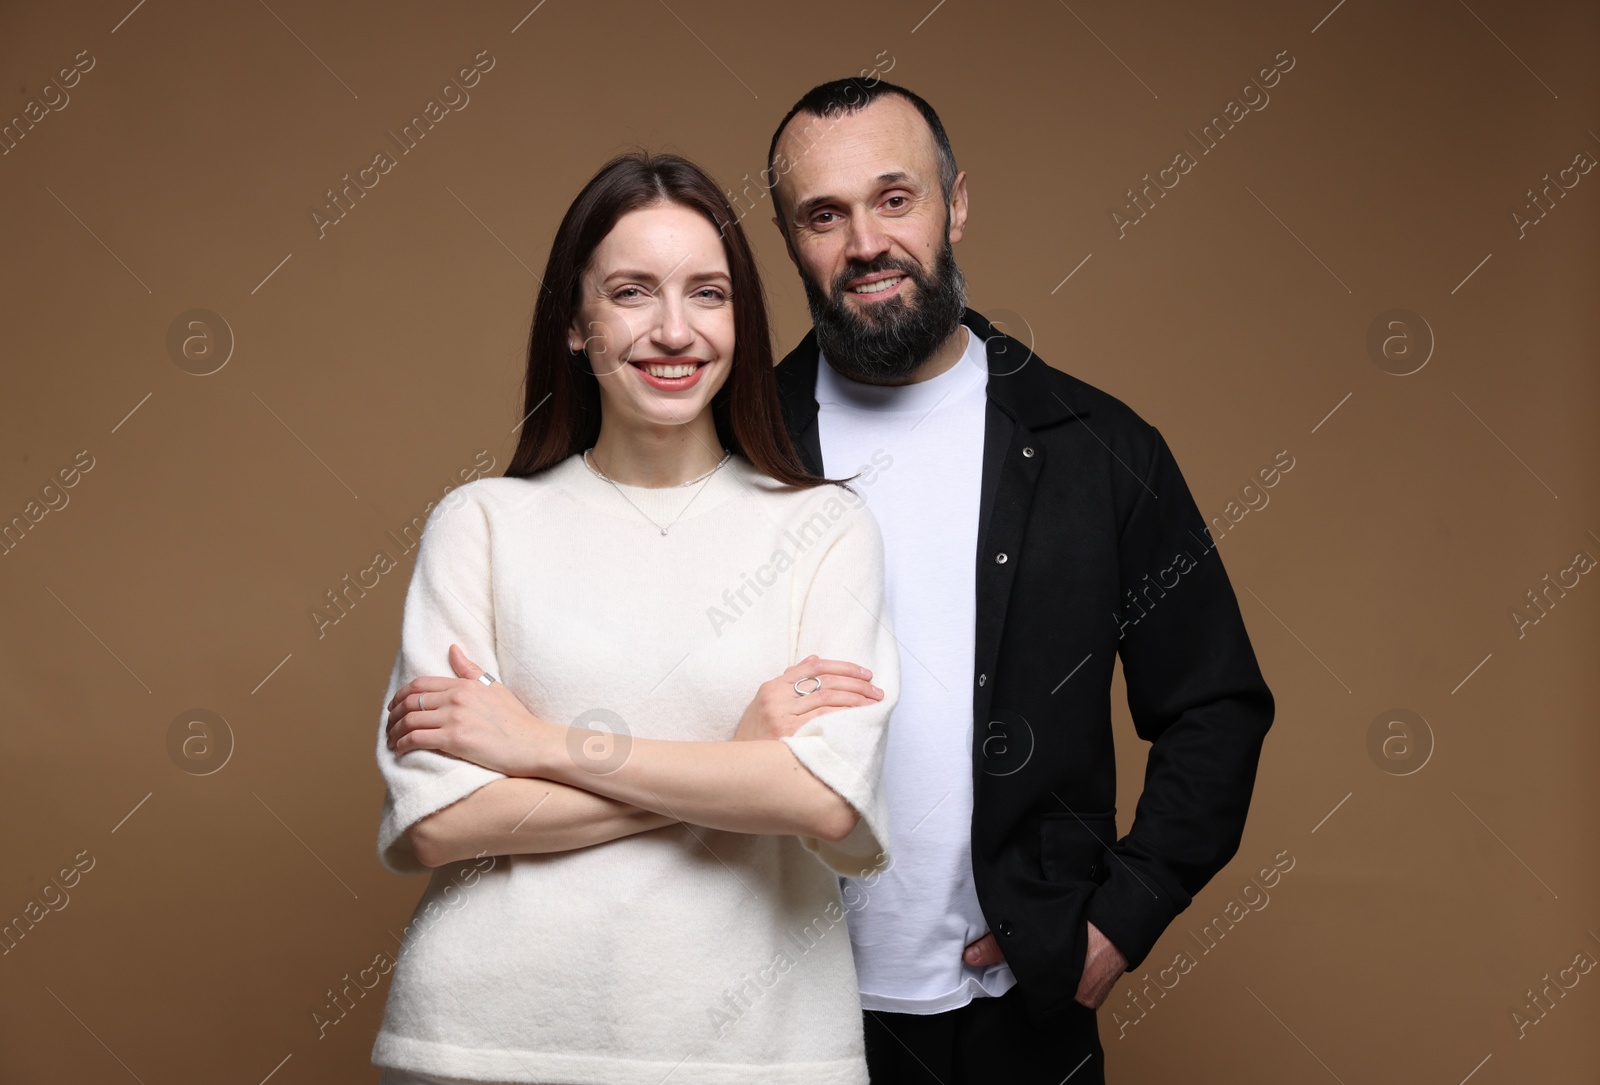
(878, 286)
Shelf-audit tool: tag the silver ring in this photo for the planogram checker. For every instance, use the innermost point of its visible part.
(813, 689)
(421, 707)
(487, 679)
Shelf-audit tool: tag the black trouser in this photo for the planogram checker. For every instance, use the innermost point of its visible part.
(989, 1041)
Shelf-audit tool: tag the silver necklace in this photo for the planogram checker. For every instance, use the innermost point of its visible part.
(704, 479)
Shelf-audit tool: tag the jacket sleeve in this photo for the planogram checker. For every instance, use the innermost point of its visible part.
(1196, 695)
(843, 616)
(449, 601)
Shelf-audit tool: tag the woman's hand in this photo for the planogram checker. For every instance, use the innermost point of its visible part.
(461, 716)
(778, 712)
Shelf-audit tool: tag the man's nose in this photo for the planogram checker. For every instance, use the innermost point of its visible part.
(866, 241)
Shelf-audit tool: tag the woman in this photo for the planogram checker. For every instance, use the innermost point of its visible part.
(646, 898)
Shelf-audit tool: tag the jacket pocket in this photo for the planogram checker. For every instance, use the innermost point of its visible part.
(1075, 846)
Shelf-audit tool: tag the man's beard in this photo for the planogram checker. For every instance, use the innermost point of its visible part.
(885, 342)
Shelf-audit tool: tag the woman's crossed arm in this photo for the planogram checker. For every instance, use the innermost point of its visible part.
(556, 798)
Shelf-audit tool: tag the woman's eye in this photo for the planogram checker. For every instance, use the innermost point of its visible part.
(627, 293)
(711, 293)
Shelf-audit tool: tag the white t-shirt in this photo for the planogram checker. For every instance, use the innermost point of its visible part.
(683, 952)
(923, 446)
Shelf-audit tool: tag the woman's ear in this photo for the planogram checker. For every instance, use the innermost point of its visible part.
(576, 339)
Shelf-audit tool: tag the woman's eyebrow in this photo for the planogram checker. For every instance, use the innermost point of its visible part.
(649, 276)
(630, 273)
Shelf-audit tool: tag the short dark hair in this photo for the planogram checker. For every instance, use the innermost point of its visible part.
(843, 96)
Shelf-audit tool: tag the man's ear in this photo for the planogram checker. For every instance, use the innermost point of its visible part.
(958, 207)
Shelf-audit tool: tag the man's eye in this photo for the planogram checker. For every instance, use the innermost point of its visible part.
(817, 218)
(902, 199)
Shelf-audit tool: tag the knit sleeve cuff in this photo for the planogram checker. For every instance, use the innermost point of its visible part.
(865, 849)
(434, 781)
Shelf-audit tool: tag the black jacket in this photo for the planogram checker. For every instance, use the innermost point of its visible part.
(1089, 545)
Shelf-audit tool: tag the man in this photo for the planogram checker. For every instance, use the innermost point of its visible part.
(1034, 528)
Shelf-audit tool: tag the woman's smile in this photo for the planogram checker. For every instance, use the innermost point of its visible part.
(670, 374)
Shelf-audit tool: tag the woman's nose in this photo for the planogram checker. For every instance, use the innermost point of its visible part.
(672, 326)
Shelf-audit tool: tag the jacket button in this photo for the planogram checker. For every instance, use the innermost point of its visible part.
(1004, 929)
(1027, 452)
(999, 559)
(982, 678)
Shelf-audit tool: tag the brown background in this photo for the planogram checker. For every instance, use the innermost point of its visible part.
(1430, 888)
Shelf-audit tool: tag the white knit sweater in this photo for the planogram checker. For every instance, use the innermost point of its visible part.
(715, 957)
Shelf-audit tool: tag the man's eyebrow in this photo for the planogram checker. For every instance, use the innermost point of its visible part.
(806, 207)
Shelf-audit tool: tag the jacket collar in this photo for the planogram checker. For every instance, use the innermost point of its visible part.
(1019, 382)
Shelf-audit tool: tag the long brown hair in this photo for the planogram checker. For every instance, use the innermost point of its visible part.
(561, 408)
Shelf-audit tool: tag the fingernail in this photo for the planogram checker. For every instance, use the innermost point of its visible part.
(866, 673)
(878, 691)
